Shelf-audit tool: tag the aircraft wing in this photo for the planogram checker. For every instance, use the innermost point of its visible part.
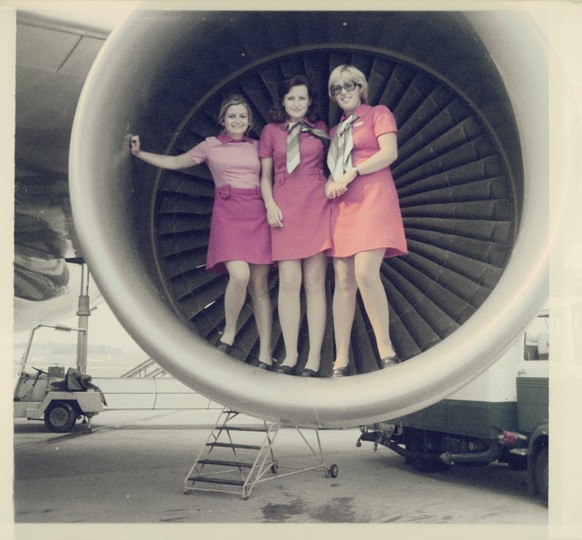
(52, 61)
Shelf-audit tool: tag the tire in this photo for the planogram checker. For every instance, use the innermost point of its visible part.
(540, 473)
(517, 463)
(333, 471)
(60, 417)
(432, 463)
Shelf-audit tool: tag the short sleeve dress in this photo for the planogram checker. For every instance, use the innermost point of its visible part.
(300, 195)
(239, 230)
(368, 215)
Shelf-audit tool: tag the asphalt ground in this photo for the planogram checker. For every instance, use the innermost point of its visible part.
(126, 478)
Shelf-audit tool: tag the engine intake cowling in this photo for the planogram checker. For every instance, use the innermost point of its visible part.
(472, 176)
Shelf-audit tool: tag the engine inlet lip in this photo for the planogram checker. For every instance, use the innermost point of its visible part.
(100, 166)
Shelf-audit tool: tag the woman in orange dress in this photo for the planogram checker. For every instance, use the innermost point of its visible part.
(366, 220)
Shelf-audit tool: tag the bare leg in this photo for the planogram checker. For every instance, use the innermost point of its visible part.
(290, 307)
(367, 264)
(314, 283)
(262, 309)
(344, 308)
(234, 297)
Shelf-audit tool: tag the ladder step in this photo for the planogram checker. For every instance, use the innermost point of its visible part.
(225, 463)
(216, 480)
(234, 445)
(243, 428)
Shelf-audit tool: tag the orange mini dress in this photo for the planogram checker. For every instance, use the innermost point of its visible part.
(368, 215)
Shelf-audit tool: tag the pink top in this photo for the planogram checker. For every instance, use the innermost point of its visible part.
(231, 162)
(372, 122)
(274, 145)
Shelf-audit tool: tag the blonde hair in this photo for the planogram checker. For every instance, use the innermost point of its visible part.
(229, 102)
(351, 73)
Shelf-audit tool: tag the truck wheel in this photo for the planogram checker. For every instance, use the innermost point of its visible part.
(59, 417)
(428, 464)
(517, 463)
(540, 473)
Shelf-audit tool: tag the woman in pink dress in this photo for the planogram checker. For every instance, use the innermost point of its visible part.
(239, 233)
(366, 219)
(292, 150)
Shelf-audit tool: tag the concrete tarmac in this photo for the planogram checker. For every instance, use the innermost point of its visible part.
(130, 471)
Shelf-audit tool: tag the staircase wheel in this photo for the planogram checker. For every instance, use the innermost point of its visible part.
(333, 471)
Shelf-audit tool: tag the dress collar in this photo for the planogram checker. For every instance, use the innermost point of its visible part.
(225, 139)
(360, 111)
(285, 125)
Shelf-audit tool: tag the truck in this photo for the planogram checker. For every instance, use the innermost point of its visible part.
(501, 416)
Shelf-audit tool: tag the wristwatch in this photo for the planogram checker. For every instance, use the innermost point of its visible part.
(357, 171)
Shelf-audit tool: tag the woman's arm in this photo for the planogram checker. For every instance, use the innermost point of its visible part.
(274, 214)
(380, 160)
(174, 163)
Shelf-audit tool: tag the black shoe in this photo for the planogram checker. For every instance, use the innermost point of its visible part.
(342, 372)
(308, 373)
(264, 365)
(389, 361)
(286, 370)
(224, 347)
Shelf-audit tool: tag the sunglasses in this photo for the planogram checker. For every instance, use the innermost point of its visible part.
(336, 89)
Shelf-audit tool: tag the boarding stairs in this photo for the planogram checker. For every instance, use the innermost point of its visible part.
(238, 456)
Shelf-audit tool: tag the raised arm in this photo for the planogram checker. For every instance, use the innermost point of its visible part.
(174, 163)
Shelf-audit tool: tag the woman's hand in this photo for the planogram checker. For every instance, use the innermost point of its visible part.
(341, 184)
(338, 187)
(134, 145)
(330, 189)
(274, 216)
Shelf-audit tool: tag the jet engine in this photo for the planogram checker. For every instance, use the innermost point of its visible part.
(469, 93)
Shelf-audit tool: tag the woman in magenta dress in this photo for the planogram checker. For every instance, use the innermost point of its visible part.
(239, 233)
(366, 219)
(292, 149)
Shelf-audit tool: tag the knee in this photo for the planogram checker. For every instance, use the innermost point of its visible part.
(367, 278)
(314, 285)
(290, 282)
(258, 291)
(239, 279)
(345, 283)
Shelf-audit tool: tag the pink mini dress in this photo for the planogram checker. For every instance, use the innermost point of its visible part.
(239, 230)
(300, 195)
(368, 215)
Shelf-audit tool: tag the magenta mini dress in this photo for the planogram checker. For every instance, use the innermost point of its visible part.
(368, 215)
(300, 195)
(239, 230)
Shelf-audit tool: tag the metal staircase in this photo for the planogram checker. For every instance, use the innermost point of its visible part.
(236, 457)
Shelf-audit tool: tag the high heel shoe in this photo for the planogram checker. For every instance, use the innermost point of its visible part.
(224, 347)
(285, 370)
(389, 361)
(264, 365)
(308, 373)
(341, 372)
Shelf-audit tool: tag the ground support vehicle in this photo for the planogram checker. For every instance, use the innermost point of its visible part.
(56, 397)
(500, 416)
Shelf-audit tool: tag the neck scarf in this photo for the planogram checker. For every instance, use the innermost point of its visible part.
(293, 149)
(339, 158)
